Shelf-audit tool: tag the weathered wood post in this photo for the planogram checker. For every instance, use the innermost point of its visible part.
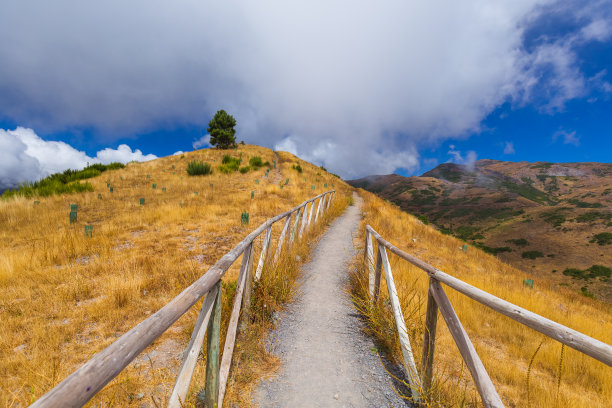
(368, 259)
(181, 386)
(213, 333)
(429, 340)
(295, 225)
(248, 287)
(312, 206)
(377, 274)
(264, 253)
(281, 239)
(304, 220)
(402, 331)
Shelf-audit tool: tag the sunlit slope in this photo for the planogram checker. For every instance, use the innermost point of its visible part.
(64, 295)
(506, 347)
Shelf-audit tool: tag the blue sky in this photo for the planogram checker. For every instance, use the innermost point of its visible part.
(400, 88)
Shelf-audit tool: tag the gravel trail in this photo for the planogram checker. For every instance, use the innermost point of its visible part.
(326, 360)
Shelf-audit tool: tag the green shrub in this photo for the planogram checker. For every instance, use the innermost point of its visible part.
(595, 271)
(604, 238)
(244, 169)
(584, 204)
(198, 168)
(255, 162)
(229, 164)
(423, 219)
(297, 168)
(518, 242)
(532, 254)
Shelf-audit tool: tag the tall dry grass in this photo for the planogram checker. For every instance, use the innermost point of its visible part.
(65, 296)
(527, 368)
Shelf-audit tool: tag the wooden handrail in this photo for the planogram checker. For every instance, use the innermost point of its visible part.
(437, 299)
(570, 337)
(80, 386)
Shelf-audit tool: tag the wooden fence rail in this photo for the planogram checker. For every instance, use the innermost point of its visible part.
(80, 386)
(437, 300)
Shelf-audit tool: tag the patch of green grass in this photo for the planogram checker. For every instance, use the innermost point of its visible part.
(554, 217)
(529, 192)
(584, 204)
(61, 183)
(593, 216)
(522, 242)
(532, 254)
(595, 271)
(198, 168)
(229, 164)
(604, 238)
(297, 168)
(492, 250)
(545, 165)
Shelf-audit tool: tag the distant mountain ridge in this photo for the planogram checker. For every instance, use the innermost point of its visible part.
(541, 217)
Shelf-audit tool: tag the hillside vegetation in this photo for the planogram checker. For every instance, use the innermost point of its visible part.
(544, 218)
(65, 295)
(526, 368)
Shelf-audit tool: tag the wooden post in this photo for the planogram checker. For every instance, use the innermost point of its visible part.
(230, 337)
(324, 198)
(211, 391)
(316, 217)
(402, 331)
(295, 224)
(429, 340)
(368, 259)
(183, 379)
(304, 220)
(331, 196)
(312, 206)
(377, 274)
(264, 253)
(281, 239)
(481, 378)
(248, 287)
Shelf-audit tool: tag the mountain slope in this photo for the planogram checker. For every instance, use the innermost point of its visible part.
(65, 296)
(547, 219)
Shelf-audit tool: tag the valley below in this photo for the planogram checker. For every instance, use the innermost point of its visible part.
(550, 220)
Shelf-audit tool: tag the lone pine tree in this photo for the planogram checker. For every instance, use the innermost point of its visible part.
(221, 130)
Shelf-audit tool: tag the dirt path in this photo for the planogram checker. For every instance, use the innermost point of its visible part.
(326, 360)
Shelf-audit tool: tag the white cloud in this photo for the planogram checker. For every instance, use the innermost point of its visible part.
(178, 153)
(357, 86)
(204, 141)
(568, 137)
(457, 157)
(509, 148)
(24, 156)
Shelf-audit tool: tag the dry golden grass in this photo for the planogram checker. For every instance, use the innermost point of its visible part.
(65, 296)
(510, 351)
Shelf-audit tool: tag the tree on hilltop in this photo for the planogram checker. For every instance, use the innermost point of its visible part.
(221, 130)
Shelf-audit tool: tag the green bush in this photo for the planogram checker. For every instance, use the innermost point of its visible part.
(604, 238)
(518, 242)
(244, 169)
(198, 168)
(532, 254)
(229, 164)
(584, 204)
(595, 271)
(297, 168)
(255, 162)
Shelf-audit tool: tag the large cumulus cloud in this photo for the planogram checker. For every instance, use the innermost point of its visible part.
(24, 156)
(360, 86)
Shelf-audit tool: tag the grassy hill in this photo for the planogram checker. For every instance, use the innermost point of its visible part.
(550, 220)
(65, 295)
(526, 368)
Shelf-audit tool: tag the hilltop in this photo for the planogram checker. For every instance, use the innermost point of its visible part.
(548, 219)
(65, 295)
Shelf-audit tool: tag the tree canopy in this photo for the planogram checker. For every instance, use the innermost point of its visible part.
(221, 130)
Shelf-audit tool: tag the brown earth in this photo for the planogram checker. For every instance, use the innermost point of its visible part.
(513, 209)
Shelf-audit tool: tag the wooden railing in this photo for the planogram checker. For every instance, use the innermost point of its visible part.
(437, 300)
(80, 386)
